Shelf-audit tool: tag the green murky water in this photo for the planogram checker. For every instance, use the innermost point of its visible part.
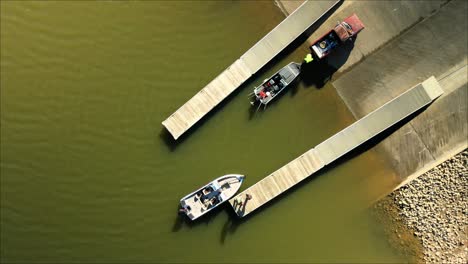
(89, 174)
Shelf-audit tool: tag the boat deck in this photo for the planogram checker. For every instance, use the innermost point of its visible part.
(247, 65)
(336, 146)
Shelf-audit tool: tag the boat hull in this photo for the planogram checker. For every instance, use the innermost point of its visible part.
(273, 86)
(210, 196)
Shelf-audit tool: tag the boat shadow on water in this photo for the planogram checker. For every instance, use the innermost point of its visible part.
(182, 220)
(229, 228)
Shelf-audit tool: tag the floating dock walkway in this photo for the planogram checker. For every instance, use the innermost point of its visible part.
(336, 146)
(247, 65)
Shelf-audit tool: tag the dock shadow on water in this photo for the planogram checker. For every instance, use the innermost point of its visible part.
(172, 143)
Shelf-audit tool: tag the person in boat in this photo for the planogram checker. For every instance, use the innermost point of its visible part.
(213, 201)
(185, 209)
(207, 190)
(198, 195)
(208, 203)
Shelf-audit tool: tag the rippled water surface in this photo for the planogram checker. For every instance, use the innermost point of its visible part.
(89, 174)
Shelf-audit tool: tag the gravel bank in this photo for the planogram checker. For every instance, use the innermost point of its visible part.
(432, 210)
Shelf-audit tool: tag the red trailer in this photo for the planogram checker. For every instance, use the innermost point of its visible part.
(335, 37)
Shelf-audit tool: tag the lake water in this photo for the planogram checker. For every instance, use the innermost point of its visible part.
(88, 172)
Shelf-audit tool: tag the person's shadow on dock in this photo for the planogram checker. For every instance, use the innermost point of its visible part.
(318, 73)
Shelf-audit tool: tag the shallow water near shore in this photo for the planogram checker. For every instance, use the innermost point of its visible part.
(89, 174)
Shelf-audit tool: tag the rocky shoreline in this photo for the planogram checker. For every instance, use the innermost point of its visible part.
(427, 219)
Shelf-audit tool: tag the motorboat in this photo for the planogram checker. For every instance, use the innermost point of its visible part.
(210, 196)
(274, 85)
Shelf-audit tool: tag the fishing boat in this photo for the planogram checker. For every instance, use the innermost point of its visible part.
(210, 196)
(274, 85)
(341, 33)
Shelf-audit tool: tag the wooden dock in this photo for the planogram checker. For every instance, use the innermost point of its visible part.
(336, 146)
(247, 65)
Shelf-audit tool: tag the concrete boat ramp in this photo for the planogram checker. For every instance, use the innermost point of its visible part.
(247, 65)
(336, 146)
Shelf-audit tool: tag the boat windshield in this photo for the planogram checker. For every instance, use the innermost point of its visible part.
(215, 185)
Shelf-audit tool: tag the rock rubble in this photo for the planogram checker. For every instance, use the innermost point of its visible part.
(434, 207)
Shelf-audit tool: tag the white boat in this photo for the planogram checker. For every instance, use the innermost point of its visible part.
(211, 195)
(274, 85)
